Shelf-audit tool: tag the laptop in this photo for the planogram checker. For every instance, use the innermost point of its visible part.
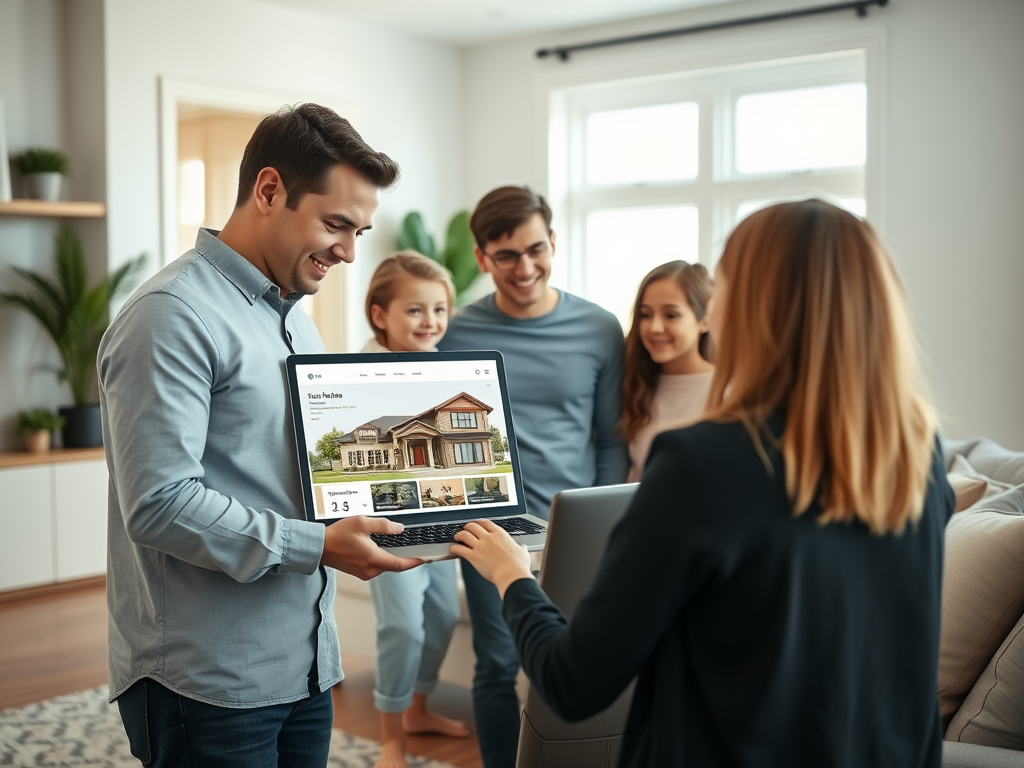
(578, 531)
(422, 438)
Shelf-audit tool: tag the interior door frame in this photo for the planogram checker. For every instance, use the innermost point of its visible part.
(173, 92)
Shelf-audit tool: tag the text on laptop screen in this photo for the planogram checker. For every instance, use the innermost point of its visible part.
(395, 438)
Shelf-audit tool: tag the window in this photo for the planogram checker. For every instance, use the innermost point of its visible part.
(469, 453)
(463, 420)
(651, 170)
(367, 436)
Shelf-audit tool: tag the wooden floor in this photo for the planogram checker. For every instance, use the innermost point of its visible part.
(55, 644)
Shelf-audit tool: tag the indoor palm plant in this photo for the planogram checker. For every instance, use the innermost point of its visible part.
(457, 256)
(74, 313)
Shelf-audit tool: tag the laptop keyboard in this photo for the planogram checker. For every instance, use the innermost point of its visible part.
(444, 533)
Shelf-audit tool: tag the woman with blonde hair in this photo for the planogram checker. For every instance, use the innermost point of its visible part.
(775, 584)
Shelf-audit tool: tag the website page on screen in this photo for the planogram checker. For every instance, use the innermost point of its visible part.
(396, 438)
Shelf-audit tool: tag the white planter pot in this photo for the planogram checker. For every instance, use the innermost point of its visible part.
(43, 186)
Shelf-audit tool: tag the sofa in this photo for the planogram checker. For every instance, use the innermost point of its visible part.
(981, 653)
(981, 647)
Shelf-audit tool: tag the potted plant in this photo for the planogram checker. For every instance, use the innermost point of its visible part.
(36, 426)
(457, 256)
(74, 313)
(42, 168)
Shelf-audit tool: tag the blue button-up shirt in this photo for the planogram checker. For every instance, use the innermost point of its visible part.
(214, 585)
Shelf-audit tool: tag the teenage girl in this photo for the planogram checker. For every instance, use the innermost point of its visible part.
(668, 368)
(407, 305)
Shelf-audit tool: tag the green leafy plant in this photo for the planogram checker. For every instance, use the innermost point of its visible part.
(457, 256)
(38, 420)
(41, 160)
(74, 313)
(327, 448)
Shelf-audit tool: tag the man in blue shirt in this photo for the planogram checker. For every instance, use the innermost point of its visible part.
(563, 359)
(221, 595)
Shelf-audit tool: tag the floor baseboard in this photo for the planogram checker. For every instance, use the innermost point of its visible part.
(54, 588)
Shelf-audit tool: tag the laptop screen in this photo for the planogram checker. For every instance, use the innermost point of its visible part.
(415, 437)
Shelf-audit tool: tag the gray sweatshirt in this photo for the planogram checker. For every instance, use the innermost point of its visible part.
(564, 374)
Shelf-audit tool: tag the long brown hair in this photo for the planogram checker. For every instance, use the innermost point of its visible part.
(814, 322)
(641, 372)
(397, 266)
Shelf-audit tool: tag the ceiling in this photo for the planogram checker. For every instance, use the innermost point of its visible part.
(468, 22)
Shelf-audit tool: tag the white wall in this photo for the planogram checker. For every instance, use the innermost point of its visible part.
(84, 74)
(952, 186)
(404, 97)
(33, 87)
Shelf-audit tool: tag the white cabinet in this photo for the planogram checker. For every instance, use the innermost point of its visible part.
(80, 518)
(26, 527)
(53, 519)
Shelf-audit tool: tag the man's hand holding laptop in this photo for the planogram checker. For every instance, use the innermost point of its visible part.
(349, 548)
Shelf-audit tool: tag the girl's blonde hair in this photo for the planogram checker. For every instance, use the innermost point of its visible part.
(641, 376)
(391, 271)
(814, 324)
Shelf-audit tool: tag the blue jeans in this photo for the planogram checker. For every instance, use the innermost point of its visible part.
(416, 615)
(167, 730)
(495, 703)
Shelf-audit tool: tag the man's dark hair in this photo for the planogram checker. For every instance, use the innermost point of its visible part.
(302, 144)
(503, 210)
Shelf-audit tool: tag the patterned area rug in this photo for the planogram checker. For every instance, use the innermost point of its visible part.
(81, 729)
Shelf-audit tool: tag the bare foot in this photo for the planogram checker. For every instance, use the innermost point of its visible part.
(391, 756)
(428, 722)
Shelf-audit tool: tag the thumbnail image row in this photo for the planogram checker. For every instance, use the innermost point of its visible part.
(395, 495)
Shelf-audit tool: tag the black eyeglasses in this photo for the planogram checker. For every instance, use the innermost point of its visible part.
(506, 260)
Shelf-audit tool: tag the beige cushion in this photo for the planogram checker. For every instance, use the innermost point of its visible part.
(967, 489)
(982, 597)
(970, 486)
(993, 712)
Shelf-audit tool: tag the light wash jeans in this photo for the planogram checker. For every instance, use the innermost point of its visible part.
(416, 615)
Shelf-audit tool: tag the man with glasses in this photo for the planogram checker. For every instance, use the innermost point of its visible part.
(563, 360)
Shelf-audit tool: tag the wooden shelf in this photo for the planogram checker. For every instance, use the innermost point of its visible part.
(54, 209)
(53, 456)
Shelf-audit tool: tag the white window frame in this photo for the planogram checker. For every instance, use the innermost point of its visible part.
(570, 95)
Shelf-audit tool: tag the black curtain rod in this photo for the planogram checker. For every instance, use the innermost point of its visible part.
(563, 51)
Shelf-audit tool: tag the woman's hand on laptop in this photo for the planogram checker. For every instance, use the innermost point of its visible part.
(349, 548)
(493, 553)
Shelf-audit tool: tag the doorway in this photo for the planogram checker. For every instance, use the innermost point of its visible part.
(203, 132)
(210, 147)
(419, 456)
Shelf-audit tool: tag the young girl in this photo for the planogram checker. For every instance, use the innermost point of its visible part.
(668, 368)
(775, 584)
(407, 305)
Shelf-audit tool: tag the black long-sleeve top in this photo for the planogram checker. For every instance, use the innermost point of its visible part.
(760, 639)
